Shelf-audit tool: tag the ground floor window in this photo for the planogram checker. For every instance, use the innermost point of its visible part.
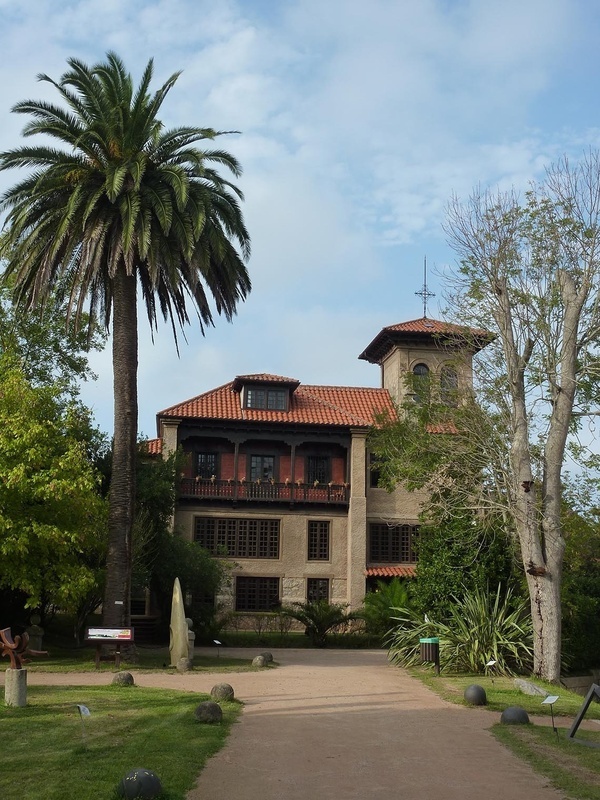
(238, 538)
(317, 589)
(256, 594)
(392, 543)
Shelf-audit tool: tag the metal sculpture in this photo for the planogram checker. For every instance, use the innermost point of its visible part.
(16, 649)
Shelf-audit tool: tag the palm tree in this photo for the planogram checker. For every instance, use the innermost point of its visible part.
(120, 205)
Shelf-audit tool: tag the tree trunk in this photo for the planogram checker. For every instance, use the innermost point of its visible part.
(116, 607)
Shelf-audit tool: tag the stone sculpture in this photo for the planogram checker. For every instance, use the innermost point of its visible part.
(178, 643)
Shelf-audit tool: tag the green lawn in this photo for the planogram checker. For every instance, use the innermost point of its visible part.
(48, 753)
(82, 659)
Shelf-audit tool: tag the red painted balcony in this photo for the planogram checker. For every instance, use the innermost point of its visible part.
(264, 491)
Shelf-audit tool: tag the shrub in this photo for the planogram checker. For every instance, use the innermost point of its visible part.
(319, 618)
(378, 605)
(481, 627)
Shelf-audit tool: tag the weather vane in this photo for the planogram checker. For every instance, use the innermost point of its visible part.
(425, 294)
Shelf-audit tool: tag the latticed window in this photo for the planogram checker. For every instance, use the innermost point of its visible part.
(318, 469)
(318, 541)
(392, 543)
(274, 399)
(256, 594)
(238, 538)
(206, 465)
(317, 589)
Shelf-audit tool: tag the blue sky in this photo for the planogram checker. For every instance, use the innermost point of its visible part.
(358, 122)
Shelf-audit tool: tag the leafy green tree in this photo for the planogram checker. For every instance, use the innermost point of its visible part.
(581, 591)
(319, 618)
(457, 555)
(51, 513)
(121, 204)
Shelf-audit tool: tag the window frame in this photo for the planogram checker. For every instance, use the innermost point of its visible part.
(239, 537)
(214, 470)
(314, 589)
(266, 398)
(255, 586)
(254, 472)
(318, 535)
(317, 468)
(398, 547)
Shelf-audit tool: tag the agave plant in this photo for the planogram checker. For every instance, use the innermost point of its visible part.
(482, 627)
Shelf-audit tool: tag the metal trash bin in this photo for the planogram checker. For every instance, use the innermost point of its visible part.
(430, 651)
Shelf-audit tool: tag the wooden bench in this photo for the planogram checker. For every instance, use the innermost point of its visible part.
(109, 636)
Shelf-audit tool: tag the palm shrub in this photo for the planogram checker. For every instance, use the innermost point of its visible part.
(482, 626)
(378, 605)
(319, 618)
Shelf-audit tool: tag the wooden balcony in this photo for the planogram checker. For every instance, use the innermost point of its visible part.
(264, 492)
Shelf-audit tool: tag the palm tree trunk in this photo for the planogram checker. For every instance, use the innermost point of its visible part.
(116, 608)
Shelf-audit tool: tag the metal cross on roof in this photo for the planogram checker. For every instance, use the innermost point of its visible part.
(425, 294)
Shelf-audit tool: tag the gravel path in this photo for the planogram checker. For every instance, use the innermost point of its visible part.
(344, 725)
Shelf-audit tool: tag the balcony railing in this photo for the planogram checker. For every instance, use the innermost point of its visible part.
(264, 491)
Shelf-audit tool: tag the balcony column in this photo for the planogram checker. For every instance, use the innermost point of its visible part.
(236, 456)
(357, 520)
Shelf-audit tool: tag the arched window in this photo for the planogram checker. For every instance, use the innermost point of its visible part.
(448, 386)
(420, 383)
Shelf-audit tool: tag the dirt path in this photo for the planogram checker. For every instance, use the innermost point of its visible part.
(344, 725)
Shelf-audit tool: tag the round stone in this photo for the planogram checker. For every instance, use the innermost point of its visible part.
(268, 657)
(514, 715)
(475, 695)
(209, 712)
(142, 783)
(222, 691)
(259, 661)
(123, 679)
(184, 664)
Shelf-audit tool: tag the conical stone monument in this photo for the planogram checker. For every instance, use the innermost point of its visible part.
(178, 643)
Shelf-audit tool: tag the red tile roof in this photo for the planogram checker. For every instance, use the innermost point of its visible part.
(390, 572)
(153, 447)
(424, 329)
(310, 405)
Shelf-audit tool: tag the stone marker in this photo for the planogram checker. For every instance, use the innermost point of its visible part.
(123, 679)
(209, 712)
(222, 691)
(178, 643)
(184, 665)
(140, 783)
(191, 638)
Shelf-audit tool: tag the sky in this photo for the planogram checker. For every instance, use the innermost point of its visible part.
(358, 122)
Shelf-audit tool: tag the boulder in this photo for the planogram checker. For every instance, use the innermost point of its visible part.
(140, 783)
(123, 679)
(268, 657)
(259, 661)
(514, 715)
(527, 687)
(475, 695)
(209, 712)
(222, 691)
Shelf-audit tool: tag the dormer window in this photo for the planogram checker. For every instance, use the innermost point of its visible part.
(263, 397)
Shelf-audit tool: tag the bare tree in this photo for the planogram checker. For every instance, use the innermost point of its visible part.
(529, 272)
